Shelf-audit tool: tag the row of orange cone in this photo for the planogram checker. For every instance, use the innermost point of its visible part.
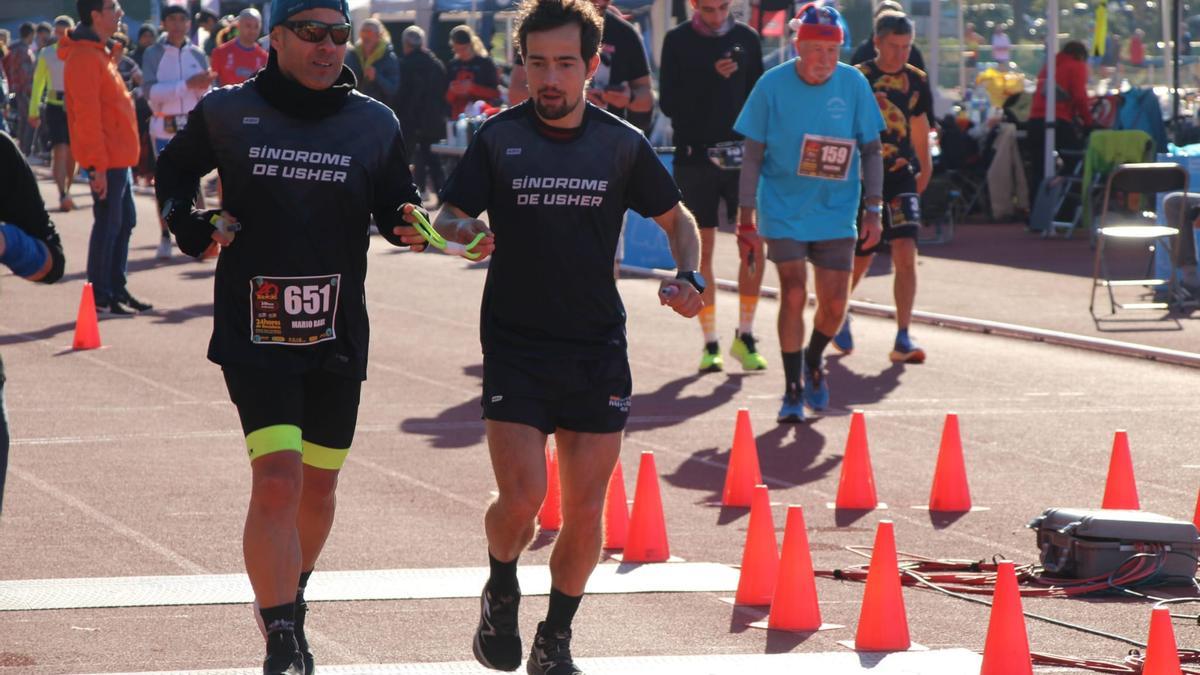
(786, 582)
(641, 536)
(950, 492)
(856, 485)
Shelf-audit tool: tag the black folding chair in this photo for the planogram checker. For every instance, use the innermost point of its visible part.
(1148, 179)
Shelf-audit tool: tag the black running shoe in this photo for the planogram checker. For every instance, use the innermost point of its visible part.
(498, 639)
(551, 653)
(135, 304)
(283, 655)
(114, 308)
(310, 665)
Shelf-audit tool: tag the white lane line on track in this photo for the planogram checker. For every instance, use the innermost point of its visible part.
(341, 652)
(111, 523)
(191, 435)
(1070, 468)
(936, 662)
(352, 585)
(474, 504)
(892, 514)
(404, 372)
(48, 345)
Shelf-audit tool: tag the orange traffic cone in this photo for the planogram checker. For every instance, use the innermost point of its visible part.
(760, 556)
(1120, 491)
(882, 622)
(1196, 518)
(1162, 653)
(87, 330)
(616, 511)
(1006, 651)
(950, 492)
(550, 515)
(794, 606)
(856, 486)
(743, 472)
(647, 540)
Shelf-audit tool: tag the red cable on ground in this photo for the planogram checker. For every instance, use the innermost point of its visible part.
(960, 578)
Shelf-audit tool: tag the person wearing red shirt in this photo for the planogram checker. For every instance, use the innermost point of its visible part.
(238, 60)
(1137, 49)
(1072, 112)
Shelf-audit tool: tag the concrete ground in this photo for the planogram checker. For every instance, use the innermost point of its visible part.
(127, 461)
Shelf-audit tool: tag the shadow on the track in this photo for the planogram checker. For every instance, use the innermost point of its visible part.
(458, 426)
(140, 265)
(666, 407)
(778, 642)
(789, 453)
(854, 389)
(182, 314)
(35, 335)
(942, 520)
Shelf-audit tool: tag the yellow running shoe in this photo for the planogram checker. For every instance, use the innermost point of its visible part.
(711, 361)
(745, 350)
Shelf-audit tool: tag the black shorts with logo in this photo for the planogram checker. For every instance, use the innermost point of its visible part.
(589, 395)
(703, 186)
(901, 210)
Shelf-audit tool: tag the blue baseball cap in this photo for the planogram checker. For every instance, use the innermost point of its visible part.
(282, 10)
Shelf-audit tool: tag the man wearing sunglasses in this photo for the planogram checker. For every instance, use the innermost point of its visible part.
(305, 161)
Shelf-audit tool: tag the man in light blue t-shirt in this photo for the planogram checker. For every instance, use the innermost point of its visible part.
(812, 138)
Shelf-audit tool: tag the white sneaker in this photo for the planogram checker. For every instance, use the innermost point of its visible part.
(164, 249)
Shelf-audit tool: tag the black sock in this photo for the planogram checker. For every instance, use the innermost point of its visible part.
(301, 611)
(281, 617)
(791, 372)
(503, 580)
(562, 610)
(816, 347)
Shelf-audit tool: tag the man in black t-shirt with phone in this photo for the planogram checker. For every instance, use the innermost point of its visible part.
(709, 66)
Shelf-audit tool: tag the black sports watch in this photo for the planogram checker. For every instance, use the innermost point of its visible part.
(694, 278)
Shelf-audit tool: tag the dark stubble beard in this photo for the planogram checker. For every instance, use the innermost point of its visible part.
(556, 112)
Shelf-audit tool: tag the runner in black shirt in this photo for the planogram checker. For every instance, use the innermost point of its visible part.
(555, 175)
(306, 161)
(906, 102)
(709, 66)
(621, 84)
(866, 49)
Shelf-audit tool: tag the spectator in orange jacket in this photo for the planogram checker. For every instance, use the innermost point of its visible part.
(104, 137)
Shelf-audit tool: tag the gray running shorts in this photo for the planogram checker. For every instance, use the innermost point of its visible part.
(830, 254)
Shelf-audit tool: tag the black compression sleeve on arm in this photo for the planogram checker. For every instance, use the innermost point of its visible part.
(394, 191)
(181, 165)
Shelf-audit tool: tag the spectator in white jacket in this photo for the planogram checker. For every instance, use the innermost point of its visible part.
(175, 75)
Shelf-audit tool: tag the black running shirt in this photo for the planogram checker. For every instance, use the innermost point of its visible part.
(556, 206)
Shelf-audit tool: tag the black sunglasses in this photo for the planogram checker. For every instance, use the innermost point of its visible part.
(315, 31)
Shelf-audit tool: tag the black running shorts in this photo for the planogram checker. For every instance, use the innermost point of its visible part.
(901, 210)
(584, 395)
(55, 118)
(314, 413)
(703, 186)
